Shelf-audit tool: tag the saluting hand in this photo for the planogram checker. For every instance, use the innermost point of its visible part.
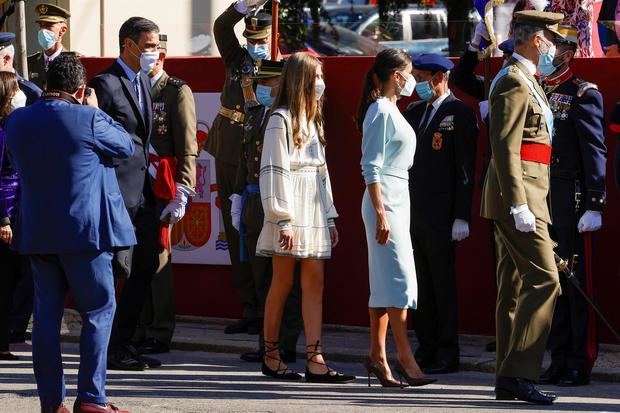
(383, 228)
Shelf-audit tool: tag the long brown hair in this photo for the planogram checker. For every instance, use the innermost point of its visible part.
(297, 94)
(387, 62)
(8, 88)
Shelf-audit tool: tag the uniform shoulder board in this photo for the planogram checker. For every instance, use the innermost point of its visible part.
(176, 82)
(36, 55)
(584, 86)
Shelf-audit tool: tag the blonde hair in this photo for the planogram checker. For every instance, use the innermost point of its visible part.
(297, 94)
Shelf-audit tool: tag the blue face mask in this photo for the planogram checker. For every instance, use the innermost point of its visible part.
(545, 62)
(258, 51)
(263, 95)
(46, 38)
(424, 90)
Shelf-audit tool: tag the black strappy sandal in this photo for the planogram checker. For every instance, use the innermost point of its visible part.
(330, 376)
(279, 373)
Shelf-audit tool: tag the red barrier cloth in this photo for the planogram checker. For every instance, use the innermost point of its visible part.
(164, 189)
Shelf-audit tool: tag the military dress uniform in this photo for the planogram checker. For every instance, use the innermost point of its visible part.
(252, 218)
(520, 125)
(226, 133)
(37, 63)
(577, 185)
(441, 186)
(174, 136)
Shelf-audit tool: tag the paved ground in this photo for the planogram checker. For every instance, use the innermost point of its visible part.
(192, 382)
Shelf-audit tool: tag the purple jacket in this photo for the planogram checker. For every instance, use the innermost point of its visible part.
(9, 184)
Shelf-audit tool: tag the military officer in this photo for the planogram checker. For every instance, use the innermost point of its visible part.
(247, 211)
(515, 198)
(227, 132)
(577, 197)
(173, 148)
(52, 22)
(441, 184)
(7, 55)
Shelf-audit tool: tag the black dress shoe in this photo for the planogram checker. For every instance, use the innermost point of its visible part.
(238, 327)
(491, 347)
(125, 362)
(552, 374)
(574, 377)
(255, 326)
(514, 388)
(150, 362)
(252, 356)
(441, 367)
(153, 346)
(8, 357)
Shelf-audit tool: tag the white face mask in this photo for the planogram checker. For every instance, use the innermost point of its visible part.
(148, 60)
(319, 88)
(409, 87)
(18, 100)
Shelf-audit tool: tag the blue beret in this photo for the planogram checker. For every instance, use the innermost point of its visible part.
(432, 62)
(507, 46)
(6, 38)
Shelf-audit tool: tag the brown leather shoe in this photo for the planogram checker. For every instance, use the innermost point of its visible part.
(83, 407)
(60, 409)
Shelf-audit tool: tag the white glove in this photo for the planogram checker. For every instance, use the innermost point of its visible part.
(481, 33)
(246, 6)
(235, 210)
(175, 210)
(484, 109)
(590, 221)
(525, 221)
(460, 230)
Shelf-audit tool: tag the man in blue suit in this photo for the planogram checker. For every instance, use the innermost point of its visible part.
(72, 217)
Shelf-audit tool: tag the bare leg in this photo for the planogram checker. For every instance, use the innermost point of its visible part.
(281, 283)
(398, 322)
(378, 331)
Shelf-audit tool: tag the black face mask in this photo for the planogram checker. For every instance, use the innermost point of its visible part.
(558, 61)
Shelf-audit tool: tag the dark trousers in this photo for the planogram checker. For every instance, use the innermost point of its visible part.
(570, 344)
(292, 322)
(436, 316)
(244, 282)
(145, 262)
(89, 277)
(12, 272)
(23, 297)
(158, 318)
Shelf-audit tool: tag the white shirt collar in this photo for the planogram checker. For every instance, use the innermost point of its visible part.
(156, 78)
(440, 99)
(525, 62)
(52, 57)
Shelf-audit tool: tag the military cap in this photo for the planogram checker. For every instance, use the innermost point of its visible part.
(51, 13)
(507, 46)
(257, 26)
(432, 62)
(163, 41)
(569, 33)
(544, 20)
(268, 68)
(6, 39)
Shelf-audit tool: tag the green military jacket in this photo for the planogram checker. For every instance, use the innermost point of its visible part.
(37, 72)
(254, 126)
(225, 135)
(174, 126)
(515, 117)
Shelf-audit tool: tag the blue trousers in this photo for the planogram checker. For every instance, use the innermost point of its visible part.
(89, 277)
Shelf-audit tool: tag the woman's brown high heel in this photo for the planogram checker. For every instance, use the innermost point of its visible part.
(412, 381)
(375, 368)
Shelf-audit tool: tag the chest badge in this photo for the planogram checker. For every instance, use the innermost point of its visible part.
(437, 141)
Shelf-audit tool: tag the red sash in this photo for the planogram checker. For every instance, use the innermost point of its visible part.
(164, 189)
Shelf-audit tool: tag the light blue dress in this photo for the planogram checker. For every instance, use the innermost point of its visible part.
(388, 147)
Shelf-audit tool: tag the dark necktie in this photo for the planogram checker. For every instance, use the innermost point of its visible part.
(425, 117)
(136, 86)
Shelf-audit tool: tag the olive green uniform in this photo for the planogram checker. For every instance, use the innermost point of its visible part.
(174, 134)
(224, 144)
(527, 277)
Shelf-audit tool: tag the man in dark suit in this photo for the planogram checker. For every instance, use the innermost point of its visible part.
(124, 93)
(442, 179)
(71, 218)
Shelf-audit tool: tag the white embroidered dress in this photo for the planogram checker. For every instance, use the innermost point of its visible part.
(295, 191)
